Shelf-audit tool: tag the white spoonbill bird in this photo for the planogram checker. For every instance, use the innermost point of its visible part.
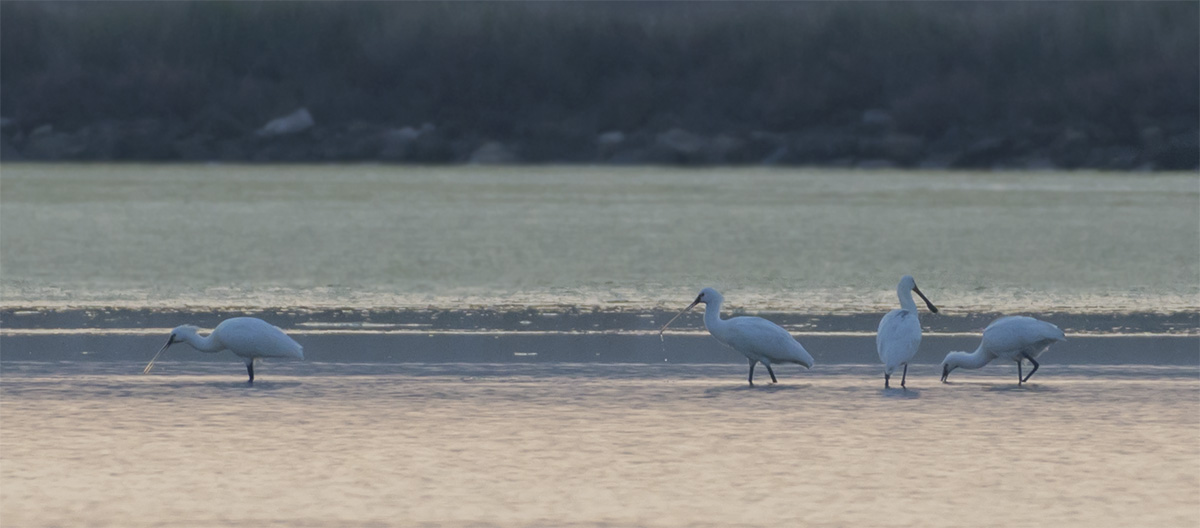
(900, 331)
(1014, 338)
(247, 337)
(760, 340)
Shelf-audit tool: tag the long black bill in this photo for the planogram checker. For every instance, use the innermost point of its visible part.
(932, 308)
(945, 373)
(150, 365)
(685, 310)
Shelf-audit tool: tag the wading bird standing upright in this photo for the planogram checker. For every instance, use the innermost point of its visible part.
(760, 340)
(247, 337)
(900, 331)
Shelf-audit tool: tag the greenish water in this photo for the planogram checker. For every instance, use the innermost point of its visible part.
(538, 422)
(792, 240)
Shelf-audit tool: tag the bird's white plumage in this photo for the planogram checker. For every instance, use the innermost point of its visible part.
(1010, 337)
(899, 334)
(1013, 338)
(898, 339)
(760, 340)
(247, 337)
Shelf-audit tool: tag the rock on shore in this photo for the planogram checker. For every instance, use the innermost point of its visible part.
(871, 142)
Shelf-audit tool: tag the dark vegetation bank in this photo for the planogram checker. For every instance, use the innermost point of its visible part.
(1112, 85)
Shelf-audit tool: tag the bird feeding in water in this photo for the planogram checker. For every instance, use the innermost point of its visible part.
(1014, 338)
(247, 337)
(760, 340)
(899, 333)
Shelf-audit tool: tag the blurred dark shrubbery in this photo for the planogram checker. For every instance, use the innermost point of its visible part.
(541, 72)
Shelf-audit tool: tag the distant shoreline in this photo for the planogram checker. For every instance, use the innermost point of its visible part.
(966, 85)
(857, 144)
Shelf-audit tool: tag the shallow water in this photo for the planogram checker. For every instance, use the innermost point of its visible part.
(368, 444)
(386, 274)
(789, 240)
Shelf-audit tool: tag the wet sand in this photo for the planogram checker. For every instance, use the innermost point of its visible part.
(468, 444)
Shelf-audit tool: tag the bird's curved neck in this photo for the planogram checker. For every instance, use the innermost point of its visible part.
(712, 315)
(906, 298)
(976, 359)
(201, 343)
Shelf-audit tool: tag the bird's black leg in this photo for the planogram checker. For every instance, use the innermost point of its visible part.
(250, 369)
(904, 376)
(771, 372)
(1035, 366)
(887, 378)
(1019, 379)
(751, 378)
